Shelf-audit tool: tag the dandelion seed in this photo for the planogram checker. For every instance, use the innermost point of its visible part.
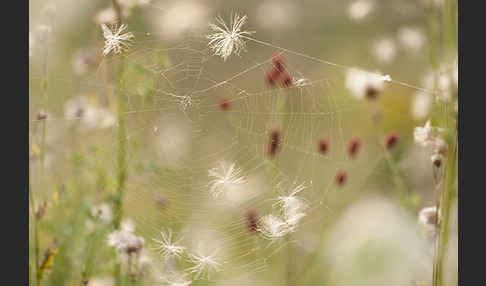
(168, 248)
(272, 227)
(84, 60)
(436, 159)
(116, 41)
(292, 207)
(301, 82)
(224, 178)
(204, 265)
(227, 40)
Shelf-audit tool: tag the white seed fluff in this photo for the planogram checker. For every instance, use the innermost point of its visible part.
(115, 40)
(228, 39)
(167, 247)
(224, 178)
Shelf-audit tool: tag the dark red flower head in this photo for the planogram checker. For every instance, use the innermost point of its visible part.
(341, 178)
(391, 140)
(224, 104)
(322, 146)
(252, 221)
(274, 142)
(354, 146)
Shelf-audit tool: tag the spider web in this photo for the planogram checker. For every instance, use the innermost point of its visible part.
(172, 97)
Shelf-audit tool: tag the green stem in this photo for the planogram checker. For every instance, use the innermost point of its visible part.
(444, 222)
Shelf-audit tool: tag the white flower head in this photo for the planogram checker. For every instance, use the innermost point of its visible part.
(228, 39)
(224, 178)
(365, 84)
(102, 212)
(424, 136)
(421, 104)
(411, 38)
(115, 40)
(167, 247)
(360, 9)
(125, 241)
(384, 50)
(203, 265)
(272, 227)
(428, 218)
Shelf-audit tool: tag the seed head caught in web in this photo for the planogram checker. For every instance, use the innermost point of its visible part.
(224, 178)
(272, 227)
(225, 39)
(115, 40)
(203, 265)
(292, 207)
(167, 247)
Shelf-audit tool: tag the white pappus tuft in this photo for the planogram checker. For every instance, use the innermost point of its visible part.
(203, 265)
(226, 40)
(115, 40)
(272, 227)
(224, 178)
(167, 247)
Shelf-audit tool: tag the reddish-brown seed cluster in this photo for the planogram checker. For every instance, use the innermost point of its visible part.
(371, 92)
(353, 147)
(322, 146)
(224, 104)
(391, 140)
(341, 178)
(274, 142)
(278, 72)
(252, 221)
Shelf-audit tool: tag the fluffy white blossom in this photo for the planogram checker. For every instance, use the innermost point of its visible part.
(365, 84)
(421, 104)
(116, 40)
(411, 38)
(359, 9)
(125, 241)
(102, 212)
(89, 115)
(167, 247)
(225, 39)
(428, 219)
(384, 50)
(223, 178)
(424, 136)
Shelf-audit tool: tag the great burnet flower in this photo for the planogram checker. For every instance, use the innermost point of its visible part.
(115, 39)
(225, 39)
